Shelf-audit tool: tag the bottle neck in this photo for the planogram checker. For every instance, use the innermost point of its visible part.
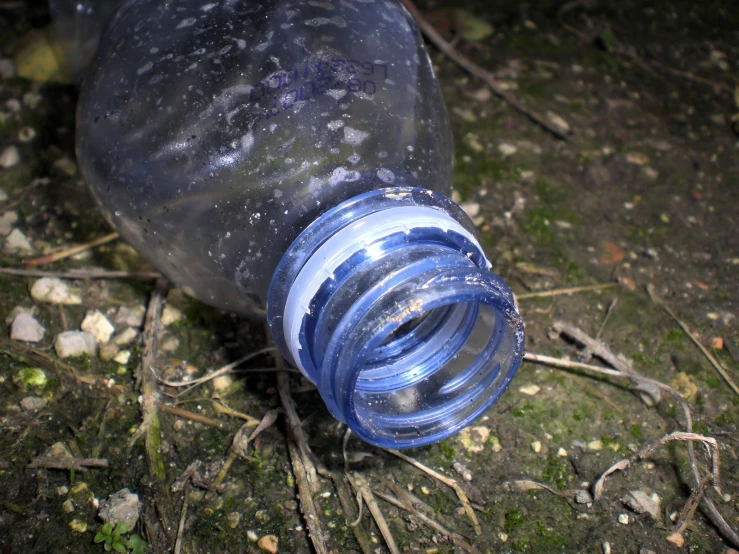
(387, 304)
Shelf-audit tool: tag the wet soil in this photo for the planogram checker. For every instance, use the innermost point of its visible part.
(645, 190)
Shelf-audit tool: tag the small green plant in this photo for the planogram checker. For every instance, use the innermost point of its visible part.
(112, 539)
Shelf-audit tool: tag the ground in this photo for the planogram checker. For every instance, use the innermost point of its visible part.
(643, 191)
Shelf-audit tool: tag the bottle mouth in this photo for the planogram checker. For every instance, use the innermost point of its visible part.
(395, 316)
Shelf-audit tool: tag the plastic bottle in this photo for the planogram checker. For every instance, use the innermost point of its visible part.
(290, 160)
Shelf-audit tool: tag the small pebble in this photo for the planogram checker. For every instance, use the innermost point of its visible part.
(268, 543)
(637, 158)
(606, 548)
(562, 452)
(108, 351)
(122, 357)
(27, 134)
(121, 507)
(55, 291)
(26, 328)
(252, 536)
(623, 519)
(33, 403)
(536, 446)
(595, 445)
(130, 316)
(503, 537)
(506, 149)
(170, 344)
(127, 336)
(558, 120)
(472, 209)
(677, 539)
(78, 526)
(7, 220)
(98, 326)
(10, 157)
(233, 519)
(171, 315)
(17, 243)
(68, 506)
(74, 343)
(531, 390)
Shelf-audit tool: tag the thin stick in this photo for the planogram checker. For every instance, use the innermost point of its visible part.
(717, 366)
(181, 526)
(81, 274)
(359, 483)
(448, 481)
(191, 416)
(221, 408)
(345, 499)
(222, 371)
(66, 252)
(559, 292)
(474, 69)
(305, 495)
(77, 464)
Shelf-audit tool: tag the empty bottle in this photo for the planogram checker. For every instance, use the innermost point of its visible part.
(290, 160)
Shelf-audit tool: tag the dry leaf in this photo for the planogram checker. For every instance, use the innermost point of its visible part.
(612, 254)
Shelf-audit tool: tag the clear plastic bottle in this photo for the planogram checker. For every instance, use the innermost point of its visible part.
(290, 160)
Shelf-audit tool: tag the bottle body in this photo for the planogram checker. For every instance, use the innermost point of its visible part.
(212, 134)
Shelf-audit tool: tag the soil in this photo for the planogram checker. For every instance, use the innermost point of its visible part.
(645, 190)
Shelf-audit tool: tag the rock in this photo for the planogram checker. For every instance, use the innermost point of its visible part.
(536, 446)
(623, 519)
(595, 445)
(26, 328)
(78, 526)
(463, 471)
(68, 506)
(121, 507)
(642, 503)
(474, 438)
(108, 351)
(637, 158)
(10, 157)
(559, 121)
(19, 310)
(222, 382)
(122, 357)
(125, 337)
(7, 220)
(66, 166)
(562, 453)
(507, 149)
(98, 326)
(268, 543)
(33, 403)
(169, 343)
(55, 291)
(233, 519)
(651, 173)
(171, 315)
(252, 536)
(677, 539)
(583, 497)
(130, 316)
(74, 343)
(472, 209)
(17, 243)
(530, 390)
(30, 377)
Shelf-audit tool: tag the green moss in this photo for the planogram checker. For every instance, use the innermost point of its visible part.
(714, 382)
(513, 519)
(447, 450)
(556, 471)
(636, 432)
(729, 417)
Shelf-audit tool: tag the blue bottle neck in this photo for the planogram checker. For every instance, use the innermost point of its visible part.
(387, 304)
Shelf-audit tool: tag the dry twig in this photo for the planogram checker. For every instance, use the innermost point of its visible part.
(181, 525)
(360, 485)
(448, 481)
(81, 274)
(192, 416)
(66, 462)
(559, 292)
(305, 494)
(465, 63)
(67, 251)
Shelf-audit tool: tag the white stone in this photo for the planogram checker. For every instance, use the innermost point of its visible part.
(507, 149)
(55, 291)
(32, 404)
(17, 243)
(530, 390)
(561, 452)
(130, 316)
(536, 446)
(171, 315)
(170, 344)
(74, 343)
(127, 336)
(121, 507)
(222, 382)
(642, 503)
(122, 357)
(472, 209)
(558, 120)
(7, 220)
(26, 328)
(98, 326)
(10, 157)
(19, 310)
(623, 519)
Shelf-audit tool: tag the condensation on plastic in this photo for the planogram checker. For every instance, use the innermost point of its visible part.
(212, 133)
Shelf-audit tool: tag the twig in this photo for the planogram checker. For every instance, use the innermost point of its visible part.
(191, 416)
(686, 514)
(465, 63)
(181, 526)
(146, 380)
(66, 462)
(359, 483)
(716, 365)
(404, 502)
(558, 292)
(222, 371)
(81, 274)
(305, 495)
(709, 442)
(346, 505)
(221, 408)
(448, 481)
(21, 197)
(66, 252)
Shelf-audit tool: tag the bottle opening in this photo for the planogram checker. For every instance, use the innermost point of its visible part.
(393, 313)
